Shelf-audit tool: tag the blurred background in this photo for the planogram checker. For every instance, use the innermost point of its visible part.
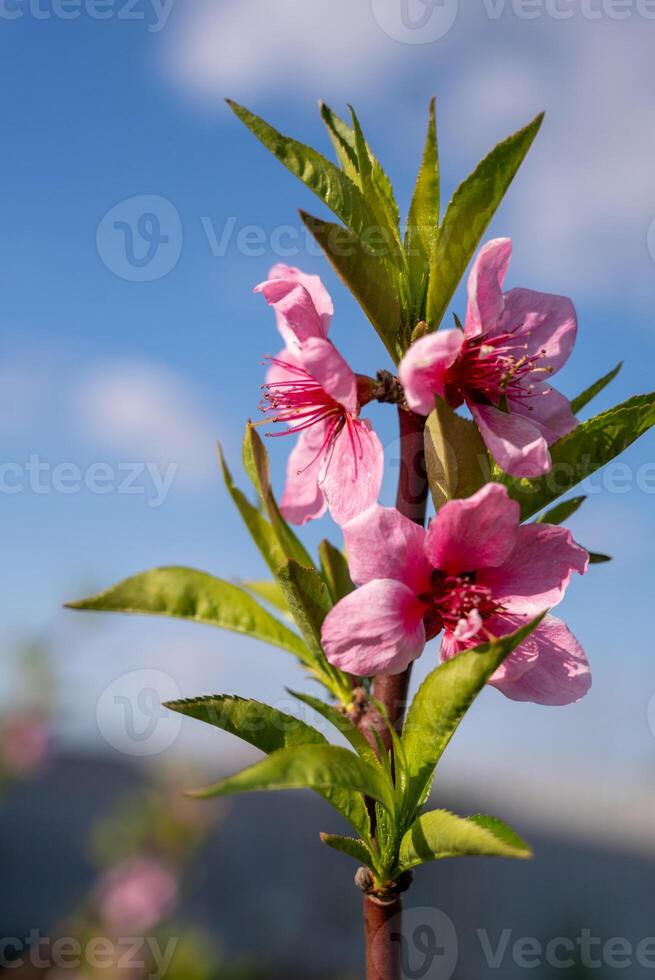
(130, 344)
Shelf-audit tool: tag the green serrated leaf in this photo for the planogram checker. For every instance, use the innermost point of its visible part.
(595, 389)
(441, 702)
(423, 219)
(255, 462)
(342, 724)
(335, 572)
(261, 531)
(185, 593)
(561, 512)
(343, 140)
(329, 183)
(350, 846)
(455, 455)
(373, 282)
(440, 834)
(256, 723)
(472, 207)
(309, 601)
(269, 730)
(307, 767)
(589, 446)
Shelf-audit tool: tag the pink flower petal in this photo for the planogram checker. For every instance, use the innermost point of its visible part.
(474, 533)
(536, 574)
(423, 368)
(544, 321)
(302, 499)
(515, 443)
(557, 671)
(296, 316)
(548, 410)
(376, 629)
(485, 287)
(352, 473)
(382, 543)
(322, 360)
(277, 372)
(319, 294)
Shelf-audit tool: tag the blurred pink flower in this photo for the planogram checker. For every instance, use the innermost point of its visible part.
(474, 572)
(137, 894)
(510, 343)
(23, 744)
(337, 461)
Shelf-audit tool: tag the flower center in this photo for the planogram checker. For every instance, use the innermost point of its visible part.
(299, 400)
(488, 370)
(456, 599)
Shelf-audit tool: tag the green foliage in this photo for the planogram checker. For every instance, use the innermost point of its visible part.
(255, 463)
(269, 590)
(335, 572)
(472, 207)
(185, 593)
(352, 847)
(595, 389)
(321, 767)
(342, 723)
(596, 558)
(440, 834)
(441, 702)
(561, 512)
(423, 219)
(589, 446)
(373, 282)
(455, 455)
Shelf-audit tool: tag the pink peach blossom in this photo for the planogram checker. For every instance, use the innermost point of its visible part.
(137, 894)
(475, 572)
(337, 460)
(498, 364)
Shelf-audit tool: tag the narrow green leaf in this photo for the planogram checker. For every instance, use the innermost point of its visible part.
(589, 446)
(270, 730)
(255, 462)
(334, 569)
(595, 389)
(269, 591)
(329, 183)
(441, 702)
(455, 455)
(185, 593)
(261, 531)
(307, 767)
(343, 140)
(440, 834)
(472, 207)
(561, 512)
(372, 281)
(342, 724)
(351, 846)
(423, 218)
(258, 724)
(309, 601)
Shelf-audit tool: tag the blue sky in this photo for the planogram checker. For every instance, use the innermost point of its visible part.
(97, 368)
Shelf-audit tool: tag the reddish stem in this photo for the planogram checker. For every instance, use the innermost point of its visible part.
(382, 919)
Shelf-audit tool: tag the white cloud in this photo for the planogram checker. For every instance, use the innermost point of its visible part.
(241, 47)
(145, 412)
